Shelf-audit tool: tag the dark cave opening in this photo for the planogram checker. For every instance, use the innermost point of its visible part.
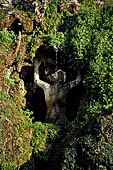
(16, 26)
(35, 101)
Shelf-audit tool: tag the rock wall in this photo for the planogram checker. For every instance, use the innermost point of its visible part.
(27, 5)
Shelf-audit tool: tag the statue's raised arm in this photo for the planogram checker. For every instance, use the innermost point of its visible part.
(37, 80)
(55, 94)
(76, 81)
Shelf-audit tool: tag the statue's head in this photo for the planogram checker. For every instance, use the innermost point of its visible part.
(59, 76)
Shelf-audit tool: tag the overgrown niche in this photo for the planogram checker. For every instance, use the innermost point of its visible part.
(35, 98)
(16, 26)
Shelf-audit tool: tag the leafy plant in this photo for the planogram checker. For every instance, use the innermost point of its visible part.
(44, 135)
(56, 40)
(7, 37)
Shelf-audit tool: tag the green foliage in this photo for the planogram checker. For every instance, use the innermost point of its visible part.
(34, 41)
(51, 17)
(90, 47)
(86, 38)
(19, 5)
(100, 75)
(88, 44)
(46, 29)
(9, 166)
(55, 40)
(16, 131)
(87, 3)
(101, 167)
(7, 37)
(44, 135)
(1, 14)
(91, 147)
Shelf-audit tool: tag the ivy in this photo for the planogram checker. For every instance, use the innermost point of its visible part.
(44, 135)
(7, 37)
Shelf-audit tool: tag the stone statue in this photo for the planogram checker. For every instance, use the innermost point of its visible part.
(55, 94)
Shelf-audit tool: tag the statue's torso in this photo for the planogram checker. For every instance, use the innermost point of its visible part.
(55, 99)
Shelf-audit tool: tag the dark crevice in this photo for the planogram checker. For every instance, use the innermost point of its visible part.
(35, 101)
(73, 100)
(16, 26)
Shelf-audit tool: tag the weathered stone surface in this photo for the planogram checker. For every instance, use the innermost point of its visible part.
(29, 5)
(33, 6)
(5, 3)
(14, 14)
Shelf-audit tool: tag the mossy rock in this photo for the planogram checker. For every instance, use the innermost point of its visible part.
(15, 128)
